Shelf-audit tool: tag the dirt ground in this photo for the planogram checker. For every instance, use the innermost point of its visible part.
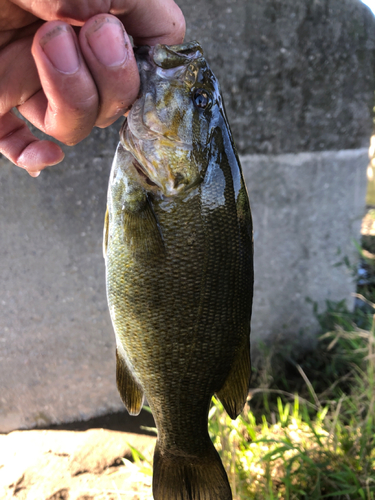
(73, 465)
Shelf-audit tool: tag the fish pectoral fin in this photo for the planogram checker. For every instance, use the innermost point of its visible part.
(130, 390)
(105, 233)
(142, 232)
(234, 392)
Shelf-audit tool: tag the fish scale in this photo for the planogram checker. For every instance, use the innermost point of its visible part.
(179, 268)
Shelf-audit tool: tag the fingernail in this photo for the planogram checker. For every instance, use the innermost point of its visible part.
(34, 174)
(107, 41)
(60, 48)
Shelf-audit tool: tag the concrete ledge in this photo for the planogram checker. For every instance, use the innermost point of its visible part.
(57, 359)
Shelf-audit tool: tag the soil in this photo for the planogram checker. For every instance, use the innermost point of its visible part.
(73, 465)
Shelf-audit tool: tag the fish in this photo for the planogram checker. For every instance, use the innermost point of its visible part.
(178, 248)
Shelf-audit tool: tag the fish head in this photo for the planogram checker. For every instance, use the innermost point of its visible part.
(169, 126)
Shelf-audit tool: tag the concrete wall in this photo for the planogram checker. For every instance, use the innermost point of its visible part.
(56, 341)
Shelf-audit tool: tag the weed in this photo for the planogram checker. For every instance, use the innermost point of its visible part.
(316, 447)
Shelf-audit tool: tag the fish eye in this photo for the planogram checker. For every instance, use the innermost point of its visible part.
(201, 98)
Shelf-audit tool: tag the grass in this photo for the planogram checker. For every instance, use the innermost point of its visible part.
(308, 429)
(307, 444)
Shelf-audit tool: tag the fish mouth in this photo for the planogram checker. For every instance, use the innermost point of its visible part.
(155, 64)
(167, 56)
(159, 149)
(128, 143)
(168, 60)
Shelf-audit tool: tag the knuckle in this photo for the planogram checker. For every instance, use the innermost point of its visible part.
(72, 141)
(70, 122)
(73, 137)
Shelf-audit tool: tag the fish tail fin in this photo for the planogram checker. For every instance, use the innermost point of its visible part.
(179, 477)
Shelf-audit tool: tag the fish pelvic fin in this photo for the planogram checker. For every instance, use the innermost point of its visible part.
(130, 390)
(235, 390)
(178, 477)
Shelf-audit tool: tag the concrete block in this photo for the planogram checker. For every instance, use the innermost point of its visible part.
(307, 211)
(57, 349)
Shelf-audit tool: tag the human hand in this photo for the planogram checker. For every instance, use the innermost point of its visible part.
(67, 80)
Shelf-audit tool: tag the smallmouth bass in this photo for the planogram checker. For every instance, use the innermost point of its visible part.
(179, 266)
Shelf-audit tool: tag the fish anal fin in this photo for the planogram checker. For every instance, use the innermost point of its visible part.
(130, 390)
(105, 233)
(234, 392)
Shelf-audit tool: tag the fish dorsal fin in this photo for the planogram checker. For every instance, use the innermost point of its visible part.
(234, 392)
(130, 390)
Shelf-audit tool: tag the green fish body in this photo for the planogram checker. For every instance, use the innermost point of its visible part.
(179, 267)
